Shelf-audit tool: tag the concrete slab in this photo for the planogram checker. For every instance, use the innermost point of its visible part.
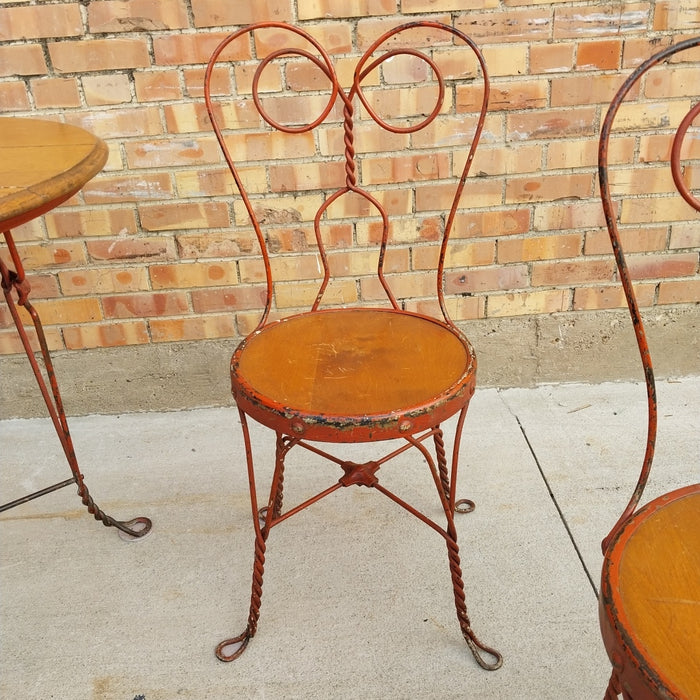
(357, 598)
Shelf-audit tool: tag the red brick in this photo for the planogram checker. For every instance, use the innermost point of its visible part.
(545, 274)
(99, 54)
(103, 281)
(229, 299)
(152, 86)
(323, 9)
(183, 49)
(50, 93)
(539, 248)
(22, 59)
(145, 305)
(13, 96)
(40, 21)
(529, 25)
(662, 265)
(194, 274)
(131, 249)
(201, 328)
(111, 89)
(213, 13)
(679, 292)
(600, 20)
(526, 303)
(105, 335)
(549, 187)
(117, 123)
(554, 124)
(584, 90)
(183, 215)
(136, 15)
(599, 55)
(552, 58)
(112, 189)
(487, 279)
(173, 152)
(90, 222)
(369, 30)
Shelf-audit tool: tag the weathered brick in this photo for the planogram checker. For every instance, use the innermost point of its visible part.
(600, 20)
(73, 310)
(212, 13)
(526, 303)
(157, 85)
(556, 124)
(199, 328)
(600, 55)
(103, 281)
(90, 222)
(552, 58)
(145, 305)
(131, 249)
(105, 335)
(55, 92)
(512, 250)
(98, 54)
(118, 123)
(613, 297)
(530, 25)
(195, 274)
(13, 96)
(22, 59)
(231, 298)
(679, 292)
(115, 189)
(572, 272)
(136, 15)
(40, 21)
(111, 89)
(183, 49)
(183, 215)
(487, 279)
(549, 187)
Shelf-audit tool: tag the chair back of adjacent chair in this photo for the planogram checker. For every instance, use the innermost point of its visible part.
(671, 152)
(347, 161)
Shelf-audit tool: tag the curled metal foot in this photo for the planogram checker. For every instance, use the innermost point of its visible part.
(464, 505)
(478, 649)
(134, 529)
(231, 649)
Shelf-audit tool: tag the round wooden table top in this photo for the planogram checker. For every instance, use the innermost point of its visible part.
(658, 590)
(42, 164)
(362, 365)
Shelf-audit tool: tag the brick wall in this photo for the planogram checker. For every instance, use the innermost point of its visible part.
(156, 250)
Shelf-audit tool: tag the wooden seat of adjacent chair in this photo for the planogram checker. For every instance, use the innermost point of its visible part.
(281, 374)
(651, 578)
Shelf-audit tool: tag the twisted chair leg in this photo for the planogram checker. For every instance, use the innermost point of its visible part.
(614, 689)
(231, 649)
(478, 648)
(442, 462)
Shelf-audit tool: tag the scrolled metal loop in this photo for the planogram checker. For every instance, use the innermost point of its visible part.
(359, 77)
(676, 169)
(327, 70)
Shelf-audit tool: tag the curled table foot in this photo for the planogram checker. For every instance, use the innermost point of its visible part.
(479, 650)
(231, 649)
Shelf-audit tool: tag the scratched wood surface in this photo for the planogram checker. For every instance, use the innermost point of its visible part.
(355, 362)
(42, 164)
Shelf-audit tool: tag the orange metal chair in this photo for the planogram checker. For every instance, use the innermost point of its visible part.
(650, 585)
(346, 373)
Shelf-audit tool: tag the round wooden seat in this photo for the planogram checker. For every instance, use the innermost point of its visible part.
(371, 374)
(650, 599)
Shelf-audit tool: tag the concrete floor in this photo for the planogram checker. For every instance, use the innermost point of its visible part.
(357, 600)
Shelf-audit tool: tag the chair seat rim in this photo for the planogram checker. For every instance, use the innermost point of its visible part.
(337, 427)
(616, 626)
